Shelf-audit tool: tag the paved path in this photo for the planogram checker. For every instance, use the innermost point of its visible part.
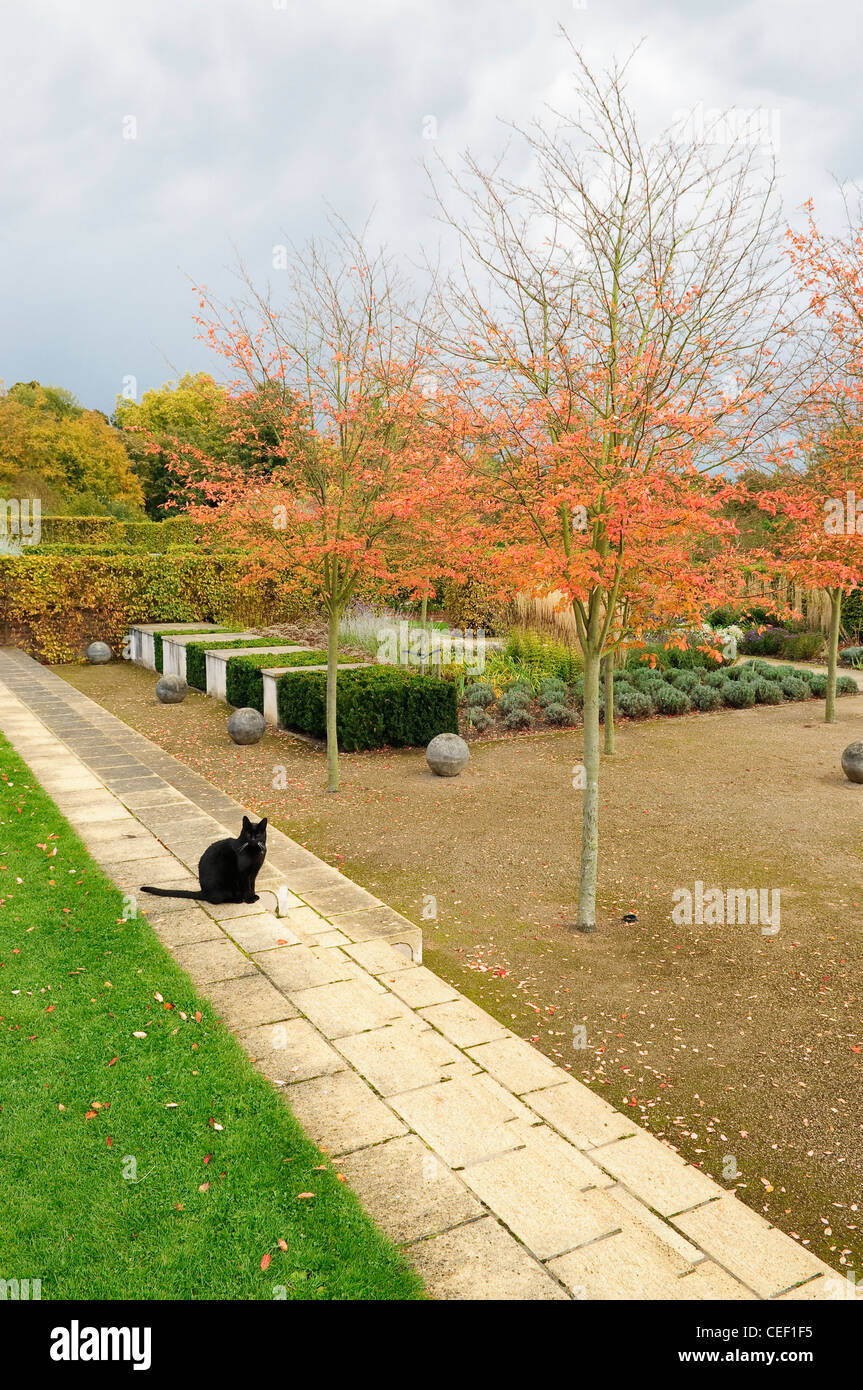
(500, 1175)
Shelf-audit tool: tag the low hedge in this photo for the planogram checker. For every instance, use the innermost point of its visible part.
(196, 665)
(244, 684)
(158, 649)
(146, 536)
(378, 707)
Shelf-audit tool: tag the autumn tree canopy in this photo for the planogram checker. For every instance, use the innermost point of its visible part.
(50, 447)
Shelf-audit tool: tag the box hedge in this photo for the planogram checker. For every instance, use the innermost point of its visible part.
(378, 707)
(244, 684)
(196, 664)
(159, 650)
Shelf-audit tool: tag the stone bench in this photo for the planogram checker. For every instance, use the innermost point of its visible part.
(141, 645)
(217, 664)
(174, 649)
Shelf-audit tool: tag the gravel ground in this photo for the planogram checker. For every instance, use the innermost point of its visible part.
(742, 1049)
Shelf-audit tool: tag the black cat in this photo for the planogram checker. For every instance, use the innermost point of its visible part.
(227, 869)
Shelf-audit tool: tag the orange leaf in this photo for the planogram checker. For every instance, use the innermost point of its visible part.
(265, 1262)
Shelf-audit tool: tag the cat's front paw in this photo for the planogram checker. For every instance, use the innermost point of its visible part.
(252, 898)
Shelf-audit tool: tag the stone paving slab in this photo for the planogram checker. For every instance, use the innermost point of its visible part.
(501, 1175)
(481, 1260)
(741, 1240)
(408, 1190)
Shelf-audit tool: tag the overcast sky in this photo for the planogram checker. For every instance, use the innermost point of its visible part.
(247, 117)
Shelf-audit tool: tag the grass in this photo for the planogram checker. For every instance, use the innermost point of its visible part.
(155, 1167)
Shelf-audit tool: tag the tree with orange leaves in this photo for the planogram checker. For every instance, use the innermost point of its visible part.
(622, 316)
(816, 540)
(818, 510)
(360, 487)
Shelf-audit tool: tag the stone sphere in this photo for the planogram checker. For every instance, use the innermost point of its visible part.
(98, 653)
(171, 690)
(852, 762)
(447, 755)
(246, 726)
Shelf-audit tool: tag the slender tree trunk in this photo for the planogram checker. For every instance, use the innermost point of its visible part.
(608, 670)
(586, 916)
(424, 620)
(332, 677)
(833, 654)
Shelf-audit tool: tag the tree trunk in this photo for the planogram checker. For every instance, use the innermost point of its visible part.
(586, 915)
(608, 669)
(332, 678)
(833, 654)
(424, 621)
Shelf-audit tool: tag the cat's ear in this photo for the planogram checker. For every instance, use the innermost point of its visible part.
(247, 825)
(262, 825)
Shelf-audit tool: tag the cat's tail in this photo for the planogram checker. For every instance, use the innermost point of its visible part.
(172, 892)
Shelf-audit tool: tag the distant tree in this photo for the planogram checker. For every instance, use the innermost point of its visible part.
(197, 414)
(189, 411)
(73, 459)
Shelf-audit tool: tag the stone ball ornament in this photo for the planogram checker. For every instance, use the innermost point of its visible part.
(246, 726)
(98, 653)
(852, 762)
(171, 690)
(447, 755)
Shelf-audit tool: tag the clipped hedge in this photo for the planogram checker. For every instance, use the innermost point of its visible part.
(378, 707)
(196, 664)
(53, 606)
(159, 650)
(148, 536)
(244, 684)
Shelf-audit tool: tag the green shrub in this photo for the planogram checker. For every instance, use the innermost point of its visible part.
(552, 691)
(196, 665)
(519, 719)
(706, 697)
(479, 695)
(669, 700)
(794, 688)
(845, 685)
(515, 696)
(684, 680)
(849, 656)
(645, 680)
(541, 656)
(559, 713)
(478, 719)
(633, 704)
(738, 694)
(244, 684)
(714, 680)
(767, 692)
(158, 649)
(803, 646)
(818, 686)
(378, 707)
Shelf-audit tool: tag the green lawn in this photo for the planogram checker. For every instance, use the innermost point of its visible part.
(81, 1097)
